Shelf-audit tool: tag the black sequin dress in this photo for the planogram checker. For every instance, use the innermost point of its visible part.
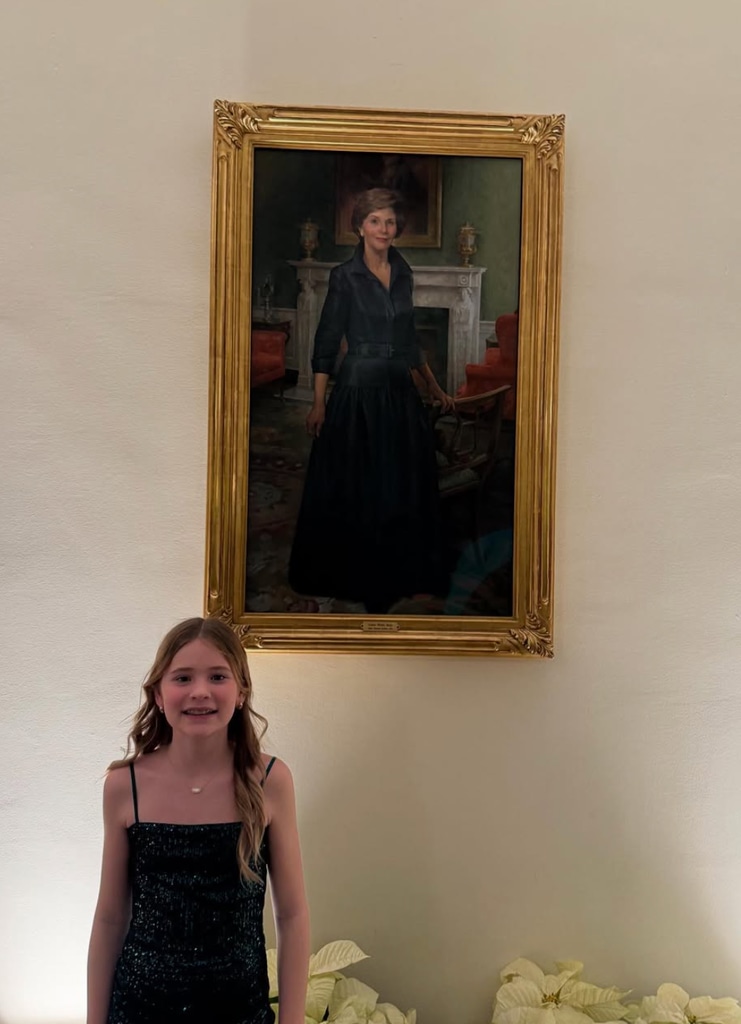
(195, 949)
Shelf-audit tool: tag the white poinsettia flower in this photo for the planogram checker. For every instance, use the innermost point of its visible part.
(524, 968)
(318, 993)
(529, 996)
(351, 1002)
(646, 1010)
(348, 1015)
(324, 973)
(272, 958)
(387, 1013)
(335, 956)
(600, 1004)
(672, 1005)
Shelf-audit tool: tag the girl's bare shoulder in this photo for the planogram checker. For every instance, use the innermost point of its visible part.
(116, 793)
(280, 778)
(151, 764)
(117, 779)
(119, 782)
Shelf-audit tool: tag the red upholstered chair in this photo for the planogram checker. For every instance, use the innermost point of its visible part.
(267, 356)
(499, 366)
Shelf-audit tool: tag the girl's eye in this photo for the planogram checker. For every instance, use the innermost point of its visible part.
(182, 679)
(218, 677)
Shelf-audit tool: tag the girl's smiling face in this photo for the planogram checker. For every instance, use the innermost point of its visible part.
(198, 692)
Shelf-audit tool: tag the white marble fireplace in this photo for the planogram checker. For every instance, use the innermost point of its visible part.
(457, 289)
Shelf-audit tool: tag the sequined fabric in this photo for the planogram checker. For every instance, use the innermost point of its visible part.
(195, 950)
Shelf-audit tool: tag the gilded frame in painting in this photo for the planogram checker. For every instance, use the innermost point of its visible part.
(534, 145)
(354, 170)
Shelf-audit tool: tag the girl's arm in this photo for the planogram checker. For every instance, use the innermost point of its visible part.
(289, 899)
(114, 904)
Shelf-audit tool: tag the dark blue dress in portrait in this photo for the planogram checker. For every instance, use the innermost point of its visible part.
(369, 525)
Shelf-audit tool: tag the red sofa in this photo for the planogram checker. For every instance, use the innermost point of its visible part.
(267, 356)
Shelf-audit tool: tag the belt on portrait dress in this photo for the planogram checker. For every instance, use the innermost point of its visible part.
(372, 350)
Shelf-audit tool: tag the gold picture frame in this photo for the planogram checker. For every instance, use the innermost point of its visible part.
(519, 237)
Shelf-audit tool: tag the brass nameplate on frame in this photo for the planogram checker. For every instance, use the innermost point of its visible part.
(384, 348)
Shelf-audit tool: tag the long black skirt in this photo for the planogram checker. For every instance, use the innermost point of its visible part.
(369, 525)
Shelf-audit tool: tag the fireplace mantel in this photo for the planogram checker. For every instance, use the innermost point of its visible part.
(457, 289)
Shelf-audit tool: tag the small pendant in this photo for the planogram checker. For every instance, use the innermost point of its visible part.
(196, 789)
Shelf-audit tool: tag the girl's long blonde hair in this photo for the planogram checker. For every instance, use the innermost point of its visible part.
(151, 730)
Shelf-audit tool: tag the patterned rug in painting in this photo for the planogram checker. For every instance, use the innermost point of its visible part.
(478, 524)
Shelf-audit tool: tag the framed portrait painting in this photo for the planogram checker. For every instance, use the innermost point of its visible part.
(384, 343)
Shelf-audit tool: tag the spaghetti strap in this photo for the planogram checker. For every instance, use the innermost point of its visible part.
(133, 792)
(271, 762)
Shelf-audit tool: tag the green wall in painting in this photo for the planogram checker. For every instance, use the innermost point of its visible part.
(291, 185)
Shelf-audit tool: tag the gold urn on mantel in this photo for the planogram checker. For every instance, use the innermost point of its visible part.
(309, 238)
(467, 235)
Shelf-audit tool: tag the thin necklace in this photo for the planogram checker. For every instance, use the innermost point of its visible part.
(195, 789)
(200, 789)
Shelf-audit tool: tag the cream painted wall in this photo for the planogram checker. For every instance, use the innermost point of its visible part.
(454, 814)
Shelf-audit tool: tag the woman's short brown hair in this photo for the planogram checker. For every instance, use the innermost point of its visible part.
(377, 199)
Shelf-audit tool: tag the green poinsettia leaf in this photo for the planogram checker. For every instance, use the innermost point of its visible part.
(318, 992)
(335, 956)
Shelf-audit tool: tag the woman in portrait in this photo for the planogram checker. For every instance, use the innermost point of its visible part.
(369, 525)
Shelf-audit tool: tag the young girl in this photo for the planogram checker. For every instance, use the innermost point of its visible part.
(195, 818)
